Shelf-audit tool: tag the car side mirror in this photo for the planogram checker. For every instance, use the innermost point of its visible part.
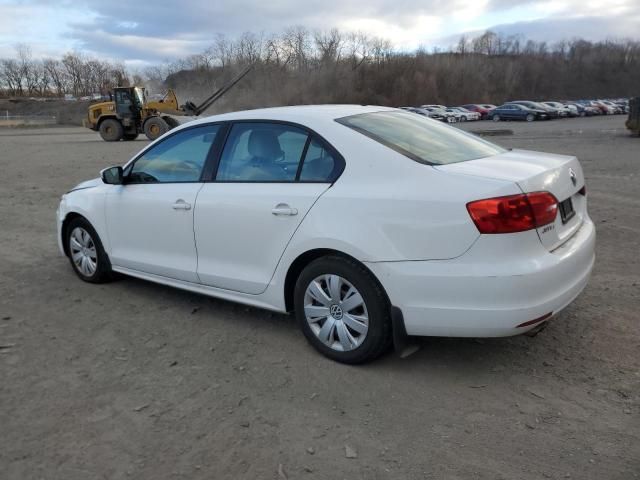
(112, 175)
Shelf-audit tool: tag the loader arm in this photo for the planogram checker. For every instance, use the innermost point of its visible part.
(191, 109)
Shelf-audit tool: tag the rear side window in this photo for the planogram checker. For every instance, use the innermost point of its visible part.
(419, 138)
(320, 165)
(262, 152)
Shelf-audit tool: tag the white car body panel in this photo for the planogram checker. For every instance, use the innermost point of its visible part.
(407, 222)
(243, 255)
(535, 172)
(146, 233)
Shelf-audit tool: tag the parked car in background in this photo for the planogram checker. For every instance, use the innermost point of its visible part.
(580, 110)
(550, 111)
(623, 103)
(514, 111)
(590, 107)
(563, 110)
(465, 115)
(447, 117)
(274, 208)
(441, 107)
(414, 110)
(604, 109)
(426, 113)
(483, 110)
(617, 109)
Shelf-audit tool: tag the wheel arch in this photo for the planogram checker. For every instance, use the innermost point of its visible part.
(402, 343)
(298, 265)
(63, 230)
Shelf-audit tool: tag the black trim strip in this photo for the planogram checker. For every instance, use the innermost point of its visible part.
(303, 157)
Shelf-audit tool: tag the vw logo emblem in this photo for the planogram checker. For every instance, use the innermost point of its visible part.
(336, 311)
(573, 176)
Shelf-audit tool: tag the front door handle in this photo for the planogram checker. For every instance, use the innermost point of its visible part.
(282, 209)
(181, 205)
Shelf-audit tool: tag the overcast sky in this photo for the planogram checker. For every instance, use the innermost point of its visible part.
(144, 32)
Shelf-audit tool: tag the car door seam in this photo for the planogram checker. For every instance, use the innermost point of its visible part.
(193, 228)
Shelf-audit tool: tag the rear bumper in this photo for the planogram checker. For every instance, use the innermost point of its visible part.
(491, 289)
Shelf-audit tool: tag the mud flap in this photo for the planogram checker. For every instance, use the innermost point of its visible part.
(403, 344)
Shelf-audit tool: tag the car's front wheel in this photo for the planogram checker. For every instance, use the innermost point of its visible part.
(87, 256)
(496, 118)
(342, 310)
(530, 117)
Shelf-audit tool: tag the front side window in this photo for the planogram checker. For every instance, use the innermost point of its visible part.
(179, 158)
(419, 138)
(262, 152)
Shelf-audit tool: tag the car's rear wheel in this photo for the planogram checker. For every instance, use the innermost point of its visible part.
(530, 117)
(87, 256)
(463, 118)
(496, 118)
(342, 310)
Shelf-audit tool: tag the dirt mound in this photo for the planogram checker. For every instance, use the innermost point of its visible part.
(66, 112)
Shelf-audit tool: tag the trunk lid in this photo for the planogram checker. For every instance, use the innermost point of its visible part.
(560, 175)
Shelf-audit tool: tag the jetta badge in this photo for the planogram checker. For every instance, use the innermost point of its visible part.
(573, 176)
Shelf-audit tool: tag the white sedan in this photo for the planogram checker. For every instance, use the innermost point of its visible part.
(371, 223)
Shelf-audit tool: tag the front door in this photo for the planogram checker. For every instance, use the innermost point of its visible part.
(269, 176)
(150, 217)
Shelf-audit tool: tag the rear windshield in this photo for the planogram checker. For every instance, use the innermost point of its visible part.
(419, 138)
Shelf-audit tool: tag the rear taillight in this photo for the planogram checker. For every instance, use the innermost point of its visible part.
(514, 213)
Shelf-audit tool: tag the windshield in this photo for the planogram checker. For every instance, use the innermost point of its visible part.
(419, 138)
(139, 95)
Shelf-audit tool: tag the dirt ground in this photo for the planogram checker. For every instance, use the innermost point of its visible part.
(135, 380)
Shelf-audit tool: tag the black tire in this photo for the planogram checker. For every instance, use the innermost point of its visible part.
(378, 337)
(496, 118)
(128, 137)
(102, 272)
(111, 130)
(530, 117)
(155, 127)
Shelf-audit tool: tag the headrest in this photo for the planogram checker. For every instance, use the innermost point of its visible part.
(264, 144)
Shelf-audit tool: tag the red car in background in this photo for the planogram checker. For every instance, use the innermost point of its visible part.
(482, 109)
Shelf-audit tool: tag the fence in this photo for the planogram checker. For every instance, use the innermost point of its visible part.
(7, 120)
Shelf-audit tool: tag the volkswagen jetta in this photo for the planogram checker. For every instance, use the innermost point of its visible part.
(370, 223)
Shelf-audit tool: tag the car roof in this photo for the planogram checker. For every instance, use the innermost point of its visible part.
(305, 114)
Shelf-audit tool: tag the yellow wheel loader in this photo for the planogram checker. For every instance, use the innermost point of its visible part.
(130, 113)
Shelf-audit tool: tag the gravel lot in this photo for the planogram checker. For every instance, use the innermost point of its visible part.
(135, 380)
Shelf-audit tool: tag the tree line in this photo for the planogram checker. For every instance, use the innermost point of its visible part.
(73, 73)
(300, 66)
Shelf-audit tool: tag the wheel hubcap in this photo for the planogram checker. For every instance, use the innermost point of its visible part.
(336, 312)
(83, 251)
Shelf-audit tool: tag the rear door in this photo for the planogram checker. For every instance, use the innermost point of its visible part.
(268, 177)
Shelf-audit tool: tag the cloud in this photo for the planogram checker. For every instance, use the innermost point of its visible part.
(166, 30)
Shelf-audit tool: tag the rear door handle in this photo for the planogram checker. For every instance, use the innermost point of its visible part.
(181, 205)
(282, 209)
